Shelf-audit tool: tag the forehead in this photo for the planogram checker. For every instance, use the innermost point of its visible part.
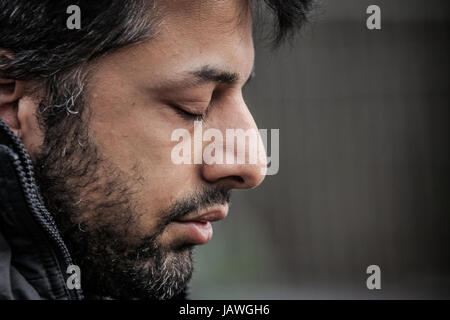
(206, 20)
(222, 11)
(191, 34)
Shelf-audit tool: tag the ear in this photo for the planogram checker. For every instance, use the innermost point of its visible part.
(11, 91)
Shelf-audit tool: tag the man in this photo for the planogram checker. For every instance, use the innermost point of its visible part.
(86, 180)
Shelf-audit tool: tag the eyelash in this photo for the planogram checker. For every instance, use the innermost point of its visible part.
(188, 115)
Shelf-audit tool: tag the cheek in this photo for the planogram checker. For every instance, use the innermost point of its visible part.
(163, 182)
(135, 135)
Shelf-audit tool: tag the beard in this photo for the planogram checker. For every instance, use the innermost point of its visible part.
(95, 208)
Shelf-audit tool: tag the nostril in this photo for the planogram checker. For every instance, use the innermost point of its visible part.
(238, 179)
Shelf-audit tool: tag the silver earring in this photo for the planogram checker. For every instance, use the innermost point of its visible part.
(18, 133)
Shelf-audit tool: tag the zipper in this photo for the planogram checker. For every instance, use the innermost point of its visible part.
(23, 165)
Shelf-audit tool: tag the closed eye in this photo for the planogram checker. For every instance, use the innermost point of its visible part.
(189, 116)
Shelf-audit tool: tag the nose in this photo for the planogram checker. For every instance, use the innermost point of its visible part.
(238, 170)
(245, 176)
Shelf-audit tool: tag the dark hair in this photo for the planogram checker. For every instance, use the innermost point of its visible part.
(42, 47)
(36, 33)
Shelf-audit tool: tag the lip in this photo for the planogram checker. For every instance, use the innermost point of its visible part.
(212, 214)
(196, 227)
(194, 232)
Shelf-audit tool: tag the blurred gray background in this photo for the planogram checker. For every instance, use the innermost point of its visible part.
(364, 163)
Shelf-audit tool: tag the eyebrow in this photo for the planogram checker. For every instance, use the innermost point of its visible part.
(205, 74)
(212, 74)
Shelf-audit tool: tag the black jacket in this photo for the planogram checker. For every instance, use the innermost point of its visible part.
(33, 256)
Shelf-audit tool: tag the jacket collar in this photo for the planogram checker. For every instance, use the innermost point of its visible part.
(33, 255)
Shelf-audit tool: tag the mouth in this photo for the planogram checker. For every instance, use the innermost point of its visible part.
(196, 227)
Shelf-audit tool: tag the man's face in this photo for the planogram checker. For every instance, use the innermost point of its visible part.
(129, 214)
